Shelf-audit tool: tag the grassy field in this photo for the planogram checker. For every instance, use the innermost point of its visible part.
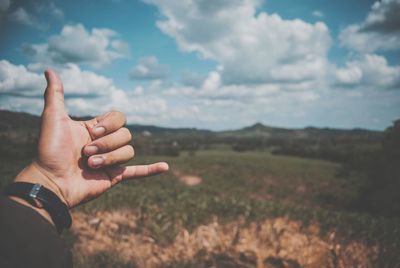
(250, 186)
(253, 186)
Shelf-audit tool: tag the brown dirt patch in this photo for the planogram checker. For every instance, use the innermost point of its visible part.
(189, 180)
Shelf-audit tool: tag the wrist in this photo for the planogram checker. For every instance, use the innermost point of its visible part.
(33, 173)
(40, 197)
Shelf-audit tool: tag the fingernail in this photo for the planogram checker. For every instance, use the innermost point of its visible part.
(91, 149)
(99, 131)
(97, 161)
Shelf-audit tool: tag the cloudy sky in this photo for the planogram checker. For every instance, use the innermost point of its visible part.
(216, 64)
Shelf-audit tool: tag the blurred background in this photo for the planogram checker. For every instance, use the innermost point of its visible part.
(279, 119)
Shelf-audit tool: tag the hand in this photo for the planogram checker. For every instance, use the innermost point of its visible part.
(79, 160)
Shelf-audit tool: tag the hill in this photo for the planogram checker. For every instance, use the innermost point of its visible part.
(13, 121)
(17, 120)
(261, 130)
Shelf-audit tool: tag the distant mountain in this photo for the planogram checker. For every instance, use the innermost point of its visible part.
(18, 128)
(260, 130)
(135, 128)
(15, 120)
(12, 122)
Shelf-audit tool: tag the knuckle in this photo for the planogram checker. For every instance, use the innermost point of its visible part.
(131, 151)
(127, 133)
(108, 159)
(113, 111)
(123, 118)
(58, 88)
(118, 114)
(102, 145)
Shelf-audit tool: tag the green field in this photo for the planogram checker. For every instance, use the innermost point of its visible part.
(251, 185)
(228, 175)
(239, 181)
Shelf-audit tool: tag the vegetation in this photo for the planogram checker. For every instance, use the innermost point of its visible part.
(248, 177)
(379, 194)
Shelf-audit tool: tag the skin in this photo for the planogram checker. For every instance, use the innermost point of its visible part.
(80, 160)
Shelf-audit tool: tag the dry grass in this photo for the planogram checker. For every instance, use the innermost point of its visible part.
(278, 242)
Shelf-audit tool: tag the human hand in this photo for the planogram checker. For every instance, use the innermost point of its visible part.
(79, 160)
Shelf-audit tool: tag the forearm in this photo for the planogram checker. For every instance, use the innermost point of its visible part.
(28, 239)
(40, 211)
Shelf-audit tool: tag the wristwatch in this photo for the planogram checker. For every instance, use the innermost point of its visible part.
(42, 197)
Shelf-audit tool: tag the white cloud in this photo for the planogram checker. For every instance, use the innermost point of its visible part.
(75, 44)
(149, 68)
(235, 105)
(369, 70)
(4, 5)
(268, 69)
(56, 11)
(264, 62)
(18, 80)
(121, 46)
(20, 15)
(213, 93)
(212, 82)
(86, 93)
(22, 81)
(354, 38)
(45, 8)
(209, 106)
(251, 47)
(30, 13)
(379, 31)
(351, 75)
(81, 82)
(318, 14)
(384, 17)
(190, 78)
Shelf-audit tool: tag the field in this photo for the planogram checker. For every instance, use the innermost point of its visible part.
(223, 191)
(223, 207)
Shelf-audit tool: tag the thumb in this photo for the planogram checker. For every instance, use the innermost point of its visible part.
(54, 94)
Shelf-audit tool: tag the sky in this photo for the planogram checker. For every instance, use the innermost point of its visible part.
(210, 64)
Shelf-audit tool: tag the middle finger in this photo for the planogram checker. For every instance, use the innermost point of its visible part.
(109, 142)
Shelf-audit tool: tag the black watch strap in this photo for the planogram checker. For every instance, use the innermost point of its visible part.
(49, 201)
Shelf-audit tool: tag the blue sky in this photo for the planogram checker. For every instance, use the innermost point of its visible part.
(216, 64)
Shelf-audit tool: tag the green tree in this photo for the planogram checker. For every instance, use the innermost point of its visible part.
(381, 194)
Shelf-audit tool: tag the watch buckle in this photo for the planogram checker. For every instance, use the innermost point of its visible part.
(35, 190)
(33, 194)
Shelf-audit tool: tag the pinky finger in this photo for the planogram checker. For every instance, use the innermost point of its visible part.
(132, 172)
